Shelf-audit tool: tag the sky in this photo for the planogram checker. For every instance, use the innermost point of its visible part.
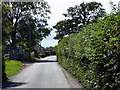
(59, 7)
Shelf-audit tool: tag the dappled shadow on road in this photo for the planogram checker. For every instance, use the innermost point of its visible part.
(45, 61)
(10, 84)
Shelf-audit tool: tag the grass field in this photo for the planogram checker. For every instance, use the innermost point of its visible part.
(12, 67)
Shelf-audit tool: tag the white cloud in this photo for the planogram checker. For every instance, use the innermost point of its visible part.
(48, 43)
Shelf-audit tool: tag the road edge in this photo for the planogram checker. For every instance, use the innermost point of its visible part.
(74, 83)
(24, 66)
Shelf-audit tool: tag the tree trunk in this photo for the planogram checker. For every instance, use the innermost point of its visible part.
(4, 77)
(14, 32)
(13, 37)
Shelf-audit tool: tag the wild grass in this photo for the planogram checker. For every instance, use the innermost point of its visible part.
(12, 67)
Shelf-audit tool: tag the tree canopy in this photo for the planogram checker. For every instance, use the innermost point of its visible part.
(22, 21)
(77, 17)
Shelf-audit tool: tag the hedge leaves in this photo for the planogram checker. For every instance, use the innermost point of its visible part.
(93, 54)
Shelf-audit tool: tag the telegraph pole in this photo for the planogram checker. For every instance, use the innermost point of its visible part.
(40, 46)
(29, 30)
(30, 44)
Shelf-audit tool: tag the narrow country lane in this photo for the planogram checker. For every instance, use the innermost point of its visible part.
(45, 73)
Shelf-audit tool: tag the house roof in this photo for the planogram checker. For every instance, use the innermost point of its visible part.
(40, 46)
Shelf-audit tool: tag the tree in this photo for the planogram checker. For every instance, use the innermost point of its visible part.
(3, 74)
(6, 24)
(114, 7)
(4, 77)
(2, 63)
(77, 17)
(23, 22)
(26, 23)
(64, 27)
(21, 14)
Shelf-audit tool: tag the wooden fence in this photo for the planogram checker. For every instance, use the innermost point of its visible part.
(7, 56)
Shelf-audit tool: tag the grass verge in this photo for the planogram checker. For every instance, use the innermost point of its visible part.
(12, 67)
(34, 58)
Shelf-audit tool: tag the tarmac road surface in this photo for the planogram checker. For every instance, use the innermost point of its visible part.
(45, 73)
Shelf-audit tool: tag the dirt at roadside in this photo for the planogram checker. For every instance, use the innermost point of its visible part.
(25, 64)
(74, 83)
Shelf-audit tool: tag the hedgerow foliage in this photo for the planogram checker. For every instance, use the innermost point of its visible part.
(93, 54)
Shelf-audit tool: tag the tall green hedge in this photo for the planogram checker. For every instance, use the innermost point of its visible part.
(93, 54)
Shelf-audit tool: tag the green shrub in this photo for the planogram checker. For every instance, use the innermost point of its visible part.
(93, 55)
(41, 55)
(26, 59)
(34, 58)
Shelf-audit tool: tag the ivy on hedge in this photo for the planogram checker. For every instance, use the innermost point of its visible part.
(93, 54)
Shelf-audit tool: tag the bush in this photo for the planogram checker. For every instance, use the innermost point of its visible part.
(41, 55)
(34, 58)
(93, 55)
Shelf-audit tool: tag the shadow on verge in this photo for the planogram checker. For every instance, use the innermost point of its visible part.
(45, 61)
(10, 84)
